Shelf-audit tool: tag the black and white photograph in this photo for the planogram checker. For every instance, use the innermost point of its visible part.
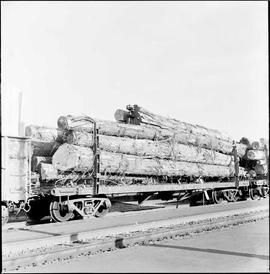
(134, 137)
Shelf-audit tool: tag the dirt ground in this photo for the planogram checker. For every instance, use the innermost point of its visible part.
(244, 248)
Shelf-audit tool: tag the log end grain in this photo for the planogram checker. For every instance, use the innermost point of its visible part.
(71, 157)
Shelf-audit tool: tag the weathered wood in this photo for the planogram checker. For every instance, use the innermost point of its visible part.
(241, 149)
(110, 128)
(68, 157)
(261, 169)
(262, 162)
(44, 140)
(45, 134)
(45, 149)
(18, 167)
(245, 141)
(76, 158)
(47, 172)
(121, 115)
(151, 149)
(16, 148)
(153, 119)
(37, 160)
(255, 145)
(256, 155)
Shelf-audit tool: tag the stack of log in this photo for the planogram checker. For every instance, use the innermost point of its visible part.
(256, 158)
(44, 142)
(159, 146)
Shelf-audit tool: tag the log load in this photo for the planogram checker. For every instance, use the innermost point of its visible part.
(262, 162)
(261, 169)
(44, 140)
(44, 149)
(151, 149)
(37, 160)
(78, 123)
(47, 172)
(45, 134)
(256, 145)
(153, 119)
(256, 155)
(75, 158)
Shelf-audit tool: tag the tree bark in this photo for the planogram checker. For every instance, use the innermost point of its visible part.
(148, 132)
(255, 145)
(44, 149)
(71, 157)
(261, 169)
(75, 158)
(37, 160)
(262, 162)
(44, 140)
(45, 134)
(151, 149)
(256, 155)
(48, 172)
(153, 119)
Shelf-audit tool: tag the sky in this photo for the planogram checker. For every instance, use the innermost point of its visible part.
(205, 63)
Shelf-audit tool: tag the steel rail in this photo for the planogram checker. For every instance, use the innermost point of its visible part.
(123, 238)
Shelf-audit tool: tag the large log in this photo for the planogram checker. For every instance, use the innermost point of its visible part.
(151, 149)
(261, 169)
(44, 149)
(37, 160)
(44, 140)
(75, 158)
(45, 134)
(48, 172)
(153, 119)
(110, 128)
(256, 155)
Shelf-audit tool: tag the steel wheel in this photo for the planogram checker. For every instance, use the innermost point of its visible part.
(254, 193)
(103, 208)
(230, 195)
(264, 191)
(60, 212)
(217, 196)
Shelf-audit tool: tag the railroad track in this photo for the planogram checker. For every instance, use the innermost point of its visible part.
(71, 245)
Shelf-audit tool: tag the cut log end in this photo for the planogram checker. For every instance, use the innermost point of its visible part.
(121, 115)
(70, 157)
(62, 122)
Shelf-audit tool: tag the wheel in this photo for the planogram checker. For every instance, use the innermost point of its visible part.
(254, 193)
(103, 209)
(217, 196)
(38, 209)
(5, 214)
(242, 194)
(264, 191)
(230, 195)
(60, 212)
